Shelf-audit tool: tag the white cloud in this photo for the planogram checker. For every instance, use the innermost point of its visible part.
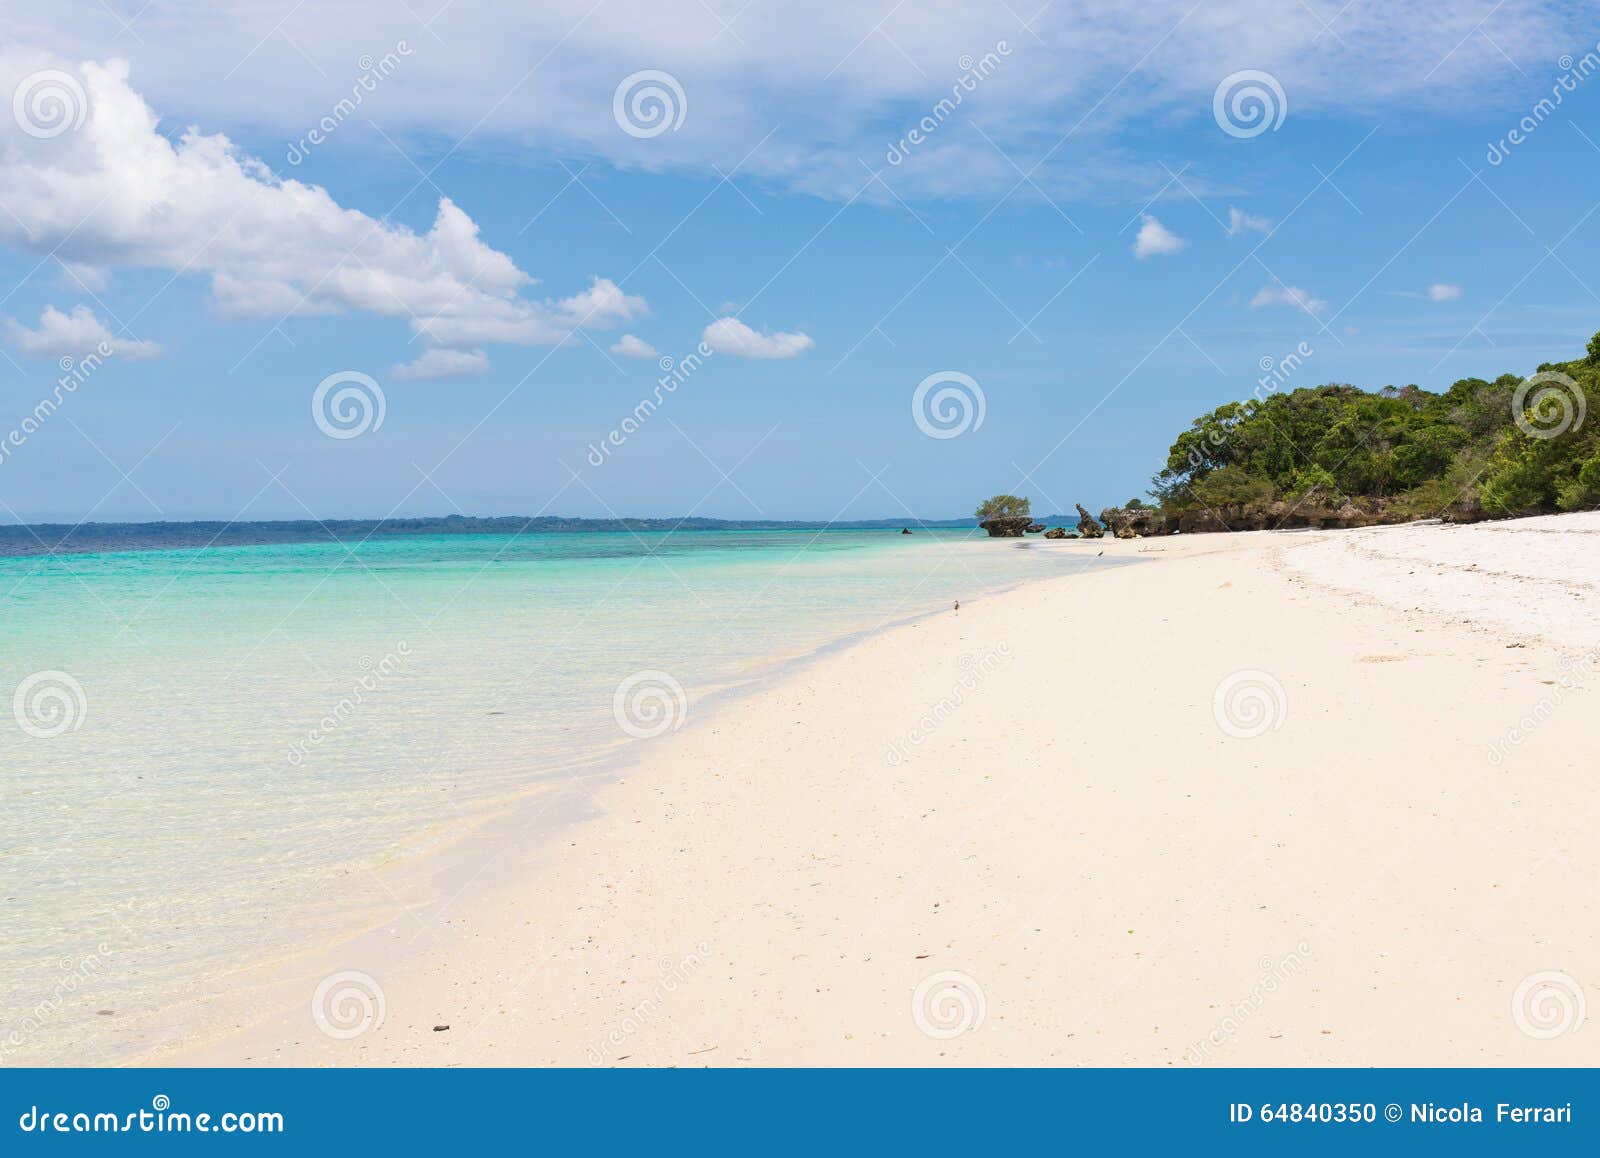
(74, 335)
(731, 336)
(630, 346)
(603, 303)
(1239, 221)
(844, 81)
(1441, 291)
(442, 363)
(116, 192)
(79, 278)
(1287, 295)
(1155, 238)
(518, 322)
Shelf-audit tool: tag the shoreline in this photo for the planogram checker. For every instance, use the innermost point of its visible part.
(1079, 851)
(447, 866)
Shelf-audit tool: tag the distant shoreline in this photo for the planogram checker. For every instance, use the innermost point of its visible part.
(35, 539)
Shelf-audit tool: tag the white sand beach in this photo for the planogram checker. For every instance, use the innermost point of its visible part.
(1263, 799)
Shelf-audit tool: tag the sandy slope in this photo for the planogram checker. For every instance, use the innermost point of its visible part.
(1073, 828)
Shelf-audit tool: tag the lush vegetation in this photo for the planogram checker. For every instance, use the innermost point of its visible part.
(1512, 446)
(1003, 507)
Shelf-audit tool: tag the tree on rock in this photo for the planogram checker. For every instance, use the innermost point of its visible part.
(1003, 507)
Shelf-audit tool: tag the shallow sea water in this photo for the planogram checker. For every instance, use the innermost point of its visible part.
(215, 754)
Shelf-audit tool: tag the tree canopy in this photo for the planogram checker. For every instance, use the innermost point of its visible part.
(1002, 506)
(1510, 446)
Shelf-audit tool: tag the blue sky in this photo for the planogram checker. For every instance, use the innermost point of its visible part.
(1061, 238)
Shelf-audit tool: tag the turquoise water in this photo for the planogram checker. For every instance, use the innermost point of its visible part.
(216, 756)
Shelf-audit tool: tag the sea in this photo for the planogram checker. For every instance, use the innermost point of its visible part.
(219, 757)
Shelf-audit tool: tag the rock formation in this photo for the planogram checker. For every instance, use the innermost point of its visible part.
(1278, 515)
(1315, 511)
(1133, 522)
(1120, 522)
(1006, 526)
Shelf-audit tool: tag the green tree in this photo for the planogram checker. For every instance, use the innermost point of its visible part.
(1003, 507)
(1403, 451)
(1233, 486)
